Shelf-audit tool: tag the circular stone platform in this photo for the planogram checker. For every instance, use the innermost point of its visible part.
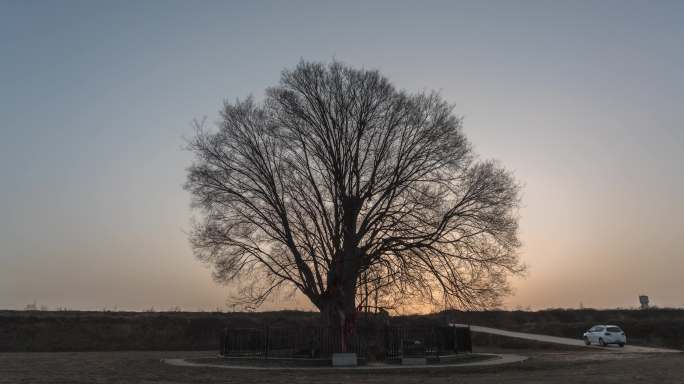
(493, 359)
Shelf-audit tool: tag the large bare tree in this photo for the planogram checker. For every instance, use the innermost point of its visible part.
(345, 188)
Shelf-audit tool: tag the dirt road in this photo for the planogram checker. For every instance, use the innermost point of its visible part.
(566, 341)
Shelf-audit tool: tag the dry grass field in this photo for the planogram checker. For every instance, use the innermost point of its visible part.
(45, 331)
(147, 367)
(173, 335)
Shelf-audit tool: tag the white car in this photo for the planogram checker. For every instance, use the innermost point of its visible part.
(604, 335)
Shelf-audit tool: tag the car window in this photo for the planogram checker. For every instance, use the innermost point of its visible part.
(598, 329)
(613, 329)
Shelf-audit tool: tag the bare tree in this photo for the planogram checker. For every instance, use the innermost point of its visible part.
(338, 175)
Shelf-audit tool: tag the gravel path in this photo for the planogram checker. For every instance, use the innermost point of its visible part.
(567, 341)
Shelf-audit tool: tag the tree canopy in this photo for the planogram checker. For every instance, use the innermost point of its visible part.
(351, 191)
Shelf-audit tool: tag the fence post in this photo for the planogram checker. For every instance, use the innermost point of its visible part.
(223, 341)
(385, 340)
(266, 341)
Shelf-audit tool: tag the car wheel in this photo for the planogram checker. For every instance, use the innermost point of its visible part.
(603, 343)
(586, 341)
(621, 345)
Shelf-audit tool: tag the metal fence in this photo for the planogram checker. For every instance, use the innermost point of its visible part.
(308, 342)
(390, 342)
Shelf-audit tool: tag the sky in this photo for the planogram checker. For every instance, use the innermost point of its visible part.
(583, 101)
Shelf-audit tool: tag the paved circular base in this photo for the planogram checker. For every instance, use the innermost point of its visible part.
(497, 359)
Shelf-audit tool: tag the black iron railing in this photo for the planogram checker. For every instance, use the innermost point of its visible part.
(389, 342)
(289, 342)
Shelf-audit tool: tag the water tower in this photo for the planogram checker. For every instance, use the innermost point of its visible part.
(643, 300)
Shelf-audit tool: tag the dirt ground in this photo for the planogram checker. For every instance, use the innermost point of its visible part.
(147, 367)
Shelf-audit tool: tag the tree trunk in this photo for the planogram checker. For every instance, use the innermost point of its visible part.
(338, 307)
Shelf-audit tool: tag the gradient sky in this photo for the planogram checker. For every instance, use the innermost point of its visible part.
(582, 100)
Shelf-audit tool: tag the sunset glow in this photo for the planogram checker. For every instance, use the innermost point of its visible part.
(582, 101)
